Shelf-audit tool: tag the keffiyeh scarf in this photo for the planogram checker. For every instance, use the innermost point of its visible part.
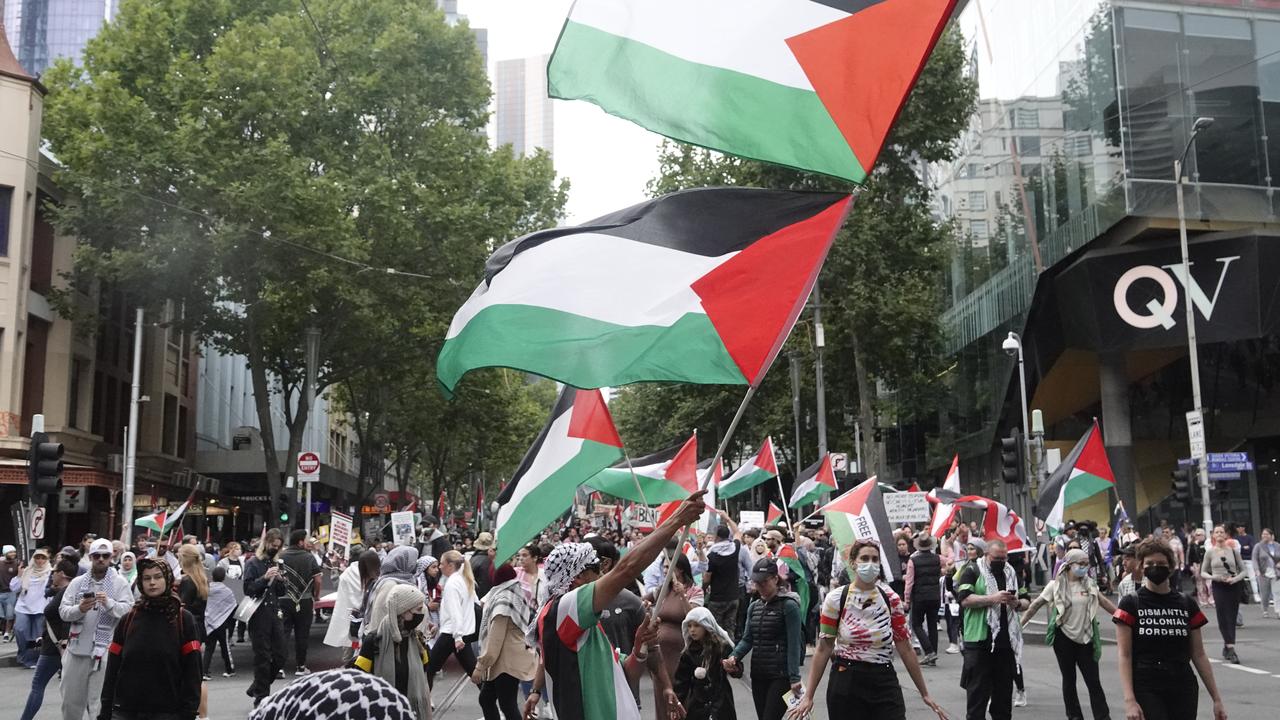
(566, 563)
(345, 694)
(505, 599)
(993, 612)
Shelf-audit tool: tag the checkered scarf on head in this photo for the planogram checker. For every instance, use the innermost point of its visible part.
(566, 563)
(344, 694)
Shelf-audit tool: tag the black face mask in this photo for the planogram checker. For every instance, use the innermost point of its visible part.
(997, 567)
(414, 620)
(1157, 574)
(271, 551)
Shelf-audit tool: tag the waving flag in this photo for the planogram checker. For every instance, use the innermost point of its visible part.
(667, 290)
(775, 515)
(811, 84)
(1083, 474)
(1003, 523)
(860, 515)
(163, 521)
(759, 468)
(944, 513)
(797, 573)
(709, 518)
(1118, 519)
(666, 476)
(576, 443)
(817, 480)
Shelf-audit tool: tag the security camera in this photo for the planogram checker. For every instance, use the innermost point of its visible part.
(1010, 345)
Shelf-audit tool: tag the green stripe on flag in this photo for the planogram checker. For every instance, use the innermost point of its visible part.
(618, 482)
(1084, 486)
(721, 109)
(743, 484)
(585, 352)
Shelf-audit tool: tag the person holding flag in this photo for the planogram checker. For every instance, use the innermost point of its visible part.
(863, 623)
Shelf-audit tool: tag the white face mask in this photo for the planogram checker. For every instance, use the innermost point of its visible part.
(868, 572)
(1079, 571)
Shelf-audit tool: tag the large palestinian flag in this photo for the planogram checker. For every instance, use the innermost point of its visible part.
(699, 286)
(665, 476)
(817, 480)
(1083, 474)
(760, 468)
(576, 443)
(811, 84)
(860, 515)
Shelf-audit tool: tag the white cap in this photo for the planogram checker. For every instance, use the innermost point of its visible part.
(101, 545)
(8, 549)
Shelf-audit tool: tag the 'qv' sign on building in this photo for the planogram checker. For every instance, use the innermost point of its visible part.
(1134, 297)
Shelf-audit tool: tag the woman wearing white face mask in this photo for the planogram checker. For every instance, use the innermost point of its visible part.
(862, 624)
(1073, 599)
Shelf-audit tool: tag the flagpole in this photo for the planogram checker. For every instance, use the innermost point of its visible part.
(786, 511)
(706, 480)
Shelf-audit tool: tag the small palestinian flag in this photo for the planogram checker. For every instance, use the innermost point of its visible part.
(576, 443)
(817, 480)
(775, 515)
(1083, 474)
(667, 290)
(163, 521)
(666, 476)
(943, 512)
(860, 515)
(798, 574)
(810, 84)
(760, 468)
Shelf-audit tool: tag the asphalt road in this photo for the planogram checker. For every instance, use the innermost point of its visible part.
(1252, 689)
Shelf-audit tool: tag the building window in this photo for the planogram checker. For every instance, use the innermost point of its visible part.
(1029, 146)
(6, 211)
(977, 200)
(1022, 118)
(978, 228)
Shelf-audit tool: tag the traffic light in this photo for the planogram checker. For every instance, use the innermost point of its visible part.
(1183, 485)
(1012, 467)
(284, 502)
(1222, 490)
(44, 464)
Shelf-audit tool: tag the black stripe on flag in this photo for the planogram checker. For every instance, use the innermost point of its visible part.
(849, 6)
(564, 404)
(661, 456)
(884, 533)
(703, 221)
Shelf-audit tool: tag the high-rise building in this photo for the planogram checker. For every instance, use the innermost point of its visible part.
(41, 31)
(523, 113)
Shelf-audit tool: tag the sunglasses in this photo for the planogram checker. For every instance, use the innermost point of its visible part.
(104, 556)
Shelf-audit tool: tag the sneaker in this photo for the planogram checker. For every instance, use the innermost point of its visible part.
(1019, 698)
(1229, 654)
(8, 637)
(953, 649)
(206, 678)
(931, 660)
(302, 670)
(229, 673)
(280, 674)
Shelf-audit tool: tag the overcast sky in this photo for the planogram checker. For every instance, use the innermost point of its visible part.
(607, 160)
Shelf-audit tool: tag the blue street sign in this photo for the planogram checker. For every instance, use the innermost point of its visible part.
(1229, 457)
(1227, 466)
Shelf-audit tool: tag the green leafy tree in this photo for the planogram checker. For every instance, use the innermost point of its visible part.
(250, 161)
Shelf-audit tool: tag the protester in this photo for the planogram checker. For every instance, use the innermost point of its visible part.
(902, 543)
(774, 636)
(218, 623)
(1073, 599)
(29, 590)
(344, 627)
(529, 573)
(990, 599)
(92, 605)
(392, 647)
(128, 569)
(701, 683)
(722, 580)
(585, 673)
(233, 563)
(457, 615)
(1158, 640)
(1266, 560)
(54, 640)
(429, 583)
(1195, 557)
(302, 581)
(154, 667)
(481, 560)
(1129, 577)
(682, 597)
(9, 569)
(263, 581)
(505, 661)
(344, 694)
(1224, 568)
(924, 596)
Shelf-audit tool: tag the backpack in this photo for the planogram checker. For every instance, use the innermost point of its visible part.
(844, 598)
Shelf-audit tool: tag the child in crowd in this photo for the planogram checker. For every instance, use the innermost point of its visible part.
(701, 682)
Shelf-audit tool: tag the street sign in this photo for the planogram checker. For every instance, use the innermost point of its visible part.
(18, 511)
(72, 500)
(36, 526)
(839, 462)
(381, 501)
(308, 467)
(1195, 432)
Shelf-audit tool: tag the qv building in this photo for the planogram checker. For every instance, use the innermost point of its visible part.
(1064, 196)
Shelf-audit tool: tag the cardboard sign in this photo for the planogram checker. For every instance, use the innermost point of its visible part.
(644, 518)
(340, 533)
(402, 528)
(907, 507)
(751, 518)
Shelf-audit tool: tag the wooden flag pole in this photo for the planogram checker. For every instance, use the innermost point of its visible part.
(706, 480)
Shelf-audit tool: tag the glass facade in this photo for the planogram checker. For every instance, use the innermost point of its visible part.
(1083, 107)
(42, 31)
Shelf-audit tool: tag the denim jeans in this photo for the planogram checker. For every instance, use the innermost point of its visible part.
(28, 626)
(46, 667)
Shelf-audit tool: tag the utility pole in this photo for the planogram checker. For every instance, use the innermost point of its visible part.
(313, 361)
(819, 342)
(795, 404)
(131, 439)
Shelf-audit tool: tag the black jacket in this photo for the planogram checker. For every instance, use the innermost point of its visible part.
(152, 666)
(709, 698)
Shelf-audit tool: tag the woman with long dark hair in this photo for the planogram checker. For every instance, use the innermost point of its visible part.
(153, 662)
(505, 661)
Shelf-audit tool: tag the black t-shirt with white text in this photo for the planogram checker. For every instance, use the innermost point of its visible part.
(1162, 625)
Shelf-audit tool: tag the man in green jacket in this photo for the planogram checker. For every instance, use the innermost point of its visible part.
(990, 598)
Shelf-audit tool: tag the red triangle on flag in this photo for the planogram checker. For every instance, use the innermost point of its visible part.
(1093, 458)
(764, 459)
(683, 469)
(915, 487)
(826, 473)
(853, 501)
(775, 514)
(591, 419)
(666, 510)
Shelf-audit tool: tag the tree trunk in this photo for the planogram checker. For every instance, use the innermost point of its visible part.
(870, 450)
(262, 403)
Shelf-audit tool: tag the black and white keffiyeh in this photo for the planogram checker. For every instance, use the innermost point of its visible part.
(345, 693)
(566, 563)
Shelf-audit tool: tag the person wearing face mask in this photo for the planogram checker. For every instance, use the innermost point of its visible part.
(1158, 641)
(862, 624)
(1073, 599)
(990, 599)
(263, 580)
(393, 648)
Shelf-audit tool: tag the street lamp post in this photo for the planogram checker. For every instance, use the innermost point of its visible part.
(1012, 346)
(1193, 355)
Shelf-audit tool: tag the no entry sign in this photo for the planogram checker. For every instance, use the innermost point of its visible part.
(308, 467)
